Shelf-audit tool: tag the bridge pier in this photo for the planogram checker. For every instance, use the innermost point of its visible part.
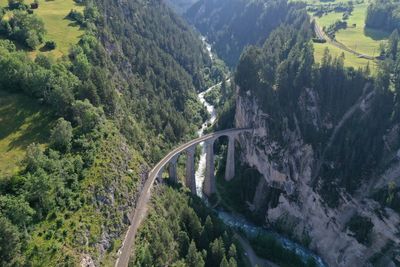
(230, 159)
(190, 170)
(159, 175)
(173, 176)
(209, 179)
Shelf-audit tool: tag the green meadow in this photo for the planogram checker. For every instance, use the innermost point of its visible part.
(350, 59)
(356, 36)
(59, 28)
(22, 121)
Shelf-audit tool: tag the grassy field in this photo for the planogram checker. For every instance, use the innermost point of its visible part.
(328, 19)
(351, 60)
(59, 29)
(22, 122)
(356, 37)
(359, 38)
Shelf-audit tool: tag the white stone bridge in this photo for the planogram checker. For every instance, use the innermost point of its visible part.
(189, 148)
(171, 160)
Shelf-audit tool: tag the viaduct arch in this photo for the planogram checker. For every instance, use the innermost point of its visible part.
(171, 159)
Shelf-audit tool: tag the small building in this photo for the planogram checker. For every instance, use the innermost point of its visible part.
(34, 5)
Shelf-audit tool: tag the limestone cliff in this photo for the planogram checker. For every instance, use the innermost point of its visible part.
(294, 165)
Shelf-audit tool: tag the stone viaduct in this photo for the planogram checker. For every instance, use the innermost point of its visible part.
(209, 186)
(171, 160)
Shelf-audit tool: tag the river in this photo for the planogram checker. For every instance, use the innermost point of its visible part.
(202, 162)
(234, 220)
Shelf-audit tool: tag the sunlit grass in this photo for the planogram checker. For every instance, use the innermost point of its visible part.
(351, 60)
(359, 38)
(356, 36)
(22, 121)
(328, 19)
(59, 29)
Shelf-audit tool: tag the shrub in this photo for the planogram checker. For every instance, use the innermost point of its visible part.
(319, 40)
(15, 4)
(361, 227)
(50, 45)
(76, 16)
(25, 28)
(61, 135)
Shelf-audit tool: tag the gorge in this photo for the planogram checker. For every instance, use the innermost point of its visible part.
(190, 133)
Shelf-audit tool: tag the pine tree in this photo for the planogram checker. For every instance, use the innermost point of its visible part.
(224, 262)
(393, 44)
(194, 258)
(232, 262)
(232, 251)
(217, 251)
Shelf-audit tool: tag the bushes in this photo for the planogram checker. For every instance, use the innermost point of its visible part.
(86, 115)
(90, 15)
(9, 243)
(213, 97)
(76, 16)
(50, 45)
(333, 28)
(61, 135)
(319, 40)
(27, 29)
(361, 227)
(16, 4)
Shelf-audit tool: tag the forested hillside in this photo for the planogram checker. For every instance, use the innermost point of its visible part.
(230, 25)
(325, 134)
(180, 6)
(124, 94)
(191, 231)
(384, 15)
(93, 93)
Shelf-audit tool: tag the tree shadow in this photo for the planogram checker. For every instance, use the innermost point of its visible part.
(376, 35)
(73, 23)
(11, 119)
(22, 114)
(37, 132)
(45, 49)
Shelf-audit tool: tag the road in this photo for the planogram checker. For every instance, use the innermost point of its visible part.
(321, 35)
(141, 207)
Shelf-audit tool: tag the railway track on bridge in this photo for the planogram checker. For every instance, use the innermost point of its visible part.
(141, 206)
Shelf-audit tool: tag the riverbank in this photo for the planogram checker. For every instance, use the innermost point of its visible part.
(239, 223)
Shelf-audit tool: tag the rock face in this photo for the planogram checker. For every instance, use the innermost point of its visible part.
(290, 166)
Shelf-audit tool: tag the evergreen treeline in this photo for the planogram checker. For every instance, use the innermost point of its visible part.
(283, 77)
(160, 62)
(124, 93)
(181, 231)
(27, 29)
(181, 5)
(383, 15)
(231, 25)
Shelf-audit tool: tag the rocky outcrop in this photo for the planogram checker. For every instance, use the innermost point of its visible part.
(302, 211)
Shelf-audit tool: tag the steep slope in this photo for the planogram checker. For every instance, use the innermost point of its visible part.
(160, 60)
(325, 144)
(230, 25)
(180, 6)
(124, 94)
